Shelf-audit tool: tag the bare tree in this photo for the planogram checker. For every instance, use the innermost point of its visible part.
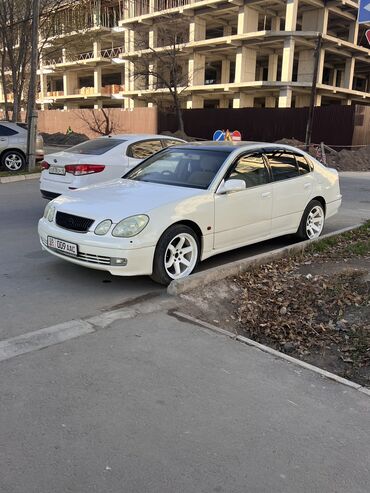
(100, 121)
(162, 66)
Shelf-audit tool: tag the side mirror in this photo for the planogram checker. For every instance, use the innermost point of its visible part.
(231, 186)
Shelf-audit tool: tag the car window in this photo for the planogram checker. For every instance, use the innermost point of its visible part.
(144, 149)
(170, 142)
(96, 146)
(251, 169)
(283, 165)
(303, 165)
(194, 168)
(6, 131)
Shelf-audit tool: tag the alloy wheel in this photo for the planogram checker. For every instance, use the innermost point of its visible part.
(315, 222)
(181, 256)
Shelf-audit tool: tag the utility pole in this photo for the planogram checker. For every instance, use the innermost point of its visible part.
(31, 106)
(313, 92)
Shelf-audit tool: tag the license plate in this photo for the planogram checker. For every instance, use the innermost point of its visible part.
(62, 246)
(57, 170)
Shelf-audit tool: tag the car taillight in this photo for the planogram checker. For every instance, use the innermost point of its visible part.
(44, 165)
(84, 169)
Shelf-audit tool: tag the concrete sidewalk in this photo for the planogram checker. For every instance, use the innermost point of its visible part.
(155, 405)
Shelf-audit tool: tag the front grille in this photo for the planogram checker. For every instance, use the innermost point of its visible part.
(85, 257)
(73, 223)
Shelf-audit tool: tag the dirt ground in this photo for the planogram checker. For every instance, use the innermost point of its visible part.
(314, 306)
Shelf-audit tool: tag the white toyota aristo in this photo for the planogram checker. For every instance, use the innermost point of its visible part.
(187, 203)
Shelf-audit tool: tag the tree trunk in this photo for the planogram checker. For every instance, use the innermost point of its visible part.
(178, 109)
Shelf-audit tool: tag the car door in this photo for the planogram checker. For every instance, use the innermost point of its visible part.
(291, 189)
(142, 149)
(245, 216)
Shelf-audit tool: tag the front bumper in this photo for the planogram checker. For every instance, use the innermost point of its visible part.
(99, 253)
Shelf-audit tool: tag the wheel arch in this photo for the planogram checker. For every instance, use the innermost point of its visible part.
(193, 225)
(12, 149)
(320, 199)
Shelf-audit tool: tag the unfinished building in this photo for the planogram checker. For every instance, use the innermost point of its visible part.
(232, 53)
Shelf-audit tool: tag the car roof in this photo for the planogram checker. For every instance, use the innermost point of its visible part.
(232, 146)
(129, 137)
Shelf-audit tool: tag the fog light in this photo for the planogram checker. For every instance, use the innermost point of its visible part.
(122, 262)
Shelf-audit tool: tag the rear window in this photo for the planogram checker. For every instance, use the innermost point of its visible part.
(6, 131)
(97, 146)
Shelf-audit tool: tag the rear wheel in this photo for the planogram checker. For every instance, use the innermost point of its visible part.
(13, 161)
(312, 222)
(176, 254)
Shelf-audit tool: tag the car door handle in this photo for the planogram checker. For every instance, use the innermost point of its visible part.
(265, 194)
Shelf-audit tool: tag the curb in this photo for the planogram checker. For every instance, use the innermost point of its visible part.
(274, 352)
(11, 179)
(214, 274)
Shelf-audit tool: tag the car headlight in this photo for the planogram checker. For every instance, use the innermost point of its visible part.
(49, 212)
(103, 227)
(131, 226)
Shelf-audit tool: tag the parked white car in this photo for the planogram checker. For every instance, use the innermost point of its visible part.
(96, 161)
(190, 202)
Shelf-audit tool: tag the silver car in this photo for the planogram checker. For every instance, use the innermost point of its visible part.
(13, 146)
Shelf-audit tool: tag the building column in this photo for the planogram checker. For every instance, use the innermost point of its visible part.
(272, 67)
(285, 97)
(275, 23)
(223, 103)
(242, 100)
(129, 75)
(196, 69)
(270, 102)
(288, 60)
(153, 37)
(97, 80)
(225, 71)
(346, 102)
(227, 31)
(98, 105)
(197, 29)
(245, 64)
(247, 20)
(353, 32)
(69, 83)
(302, 100)
(348, 72)
(194, 102)
(291, 15)
(97, 48)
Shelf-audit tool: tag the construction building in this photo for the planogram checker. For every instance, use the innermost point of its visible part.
(235, 53)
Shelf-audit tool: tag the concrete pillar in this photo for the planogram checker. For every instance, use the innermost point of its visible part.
(306, 63)
(272, 67)
(224, 103)
(245, 64)
(291, 15)
(43, 85)
(98, 105)
(346, 102)
(348, 73)
(315, 20)
(270, 102)
(153, 37)
(69, 83)
(129, 76)
(196, 69)
(247, 20)
(64, 55)
(259, 75)
(353, 32)
(97, 80)
(285, 97)
(225, 71)
(302, 100)
(97, 48)
(318, 100)
(197, 29)
(152, 80)
(195, 102)
(288, 60)
(275, 23)
(128, 103)
(242, 100)
(333, 77)
(227, 31)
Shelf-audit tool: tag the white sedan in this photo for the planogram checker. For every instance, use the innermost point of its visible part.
(96, 161)
(187, 203)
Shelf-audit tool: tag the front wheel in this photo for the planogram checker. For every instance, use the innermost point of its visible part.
(312, 222)
(13, 161)
(176, 254)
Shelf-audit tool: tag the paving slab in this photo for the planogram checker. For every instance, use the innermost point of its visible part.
(155, 404)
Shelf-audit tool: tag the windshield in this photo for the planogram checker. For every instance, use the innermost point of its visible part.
(193, 168)
(96, 146)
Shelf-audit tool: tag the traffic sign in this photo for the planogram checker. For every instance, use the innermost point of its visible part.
(367, 34)
(219, 135)
(236, 136)
(364, 11)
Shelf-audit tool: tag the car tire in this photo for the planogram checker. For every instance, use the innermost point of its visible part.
(13, 161)
(312, 222)
(176, 254)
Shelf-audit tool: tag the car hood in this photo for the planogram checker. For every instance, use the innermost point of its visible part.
(118, 199)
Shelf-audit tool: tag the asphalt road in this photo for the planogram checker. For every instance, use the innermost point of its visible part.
(38, 290)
